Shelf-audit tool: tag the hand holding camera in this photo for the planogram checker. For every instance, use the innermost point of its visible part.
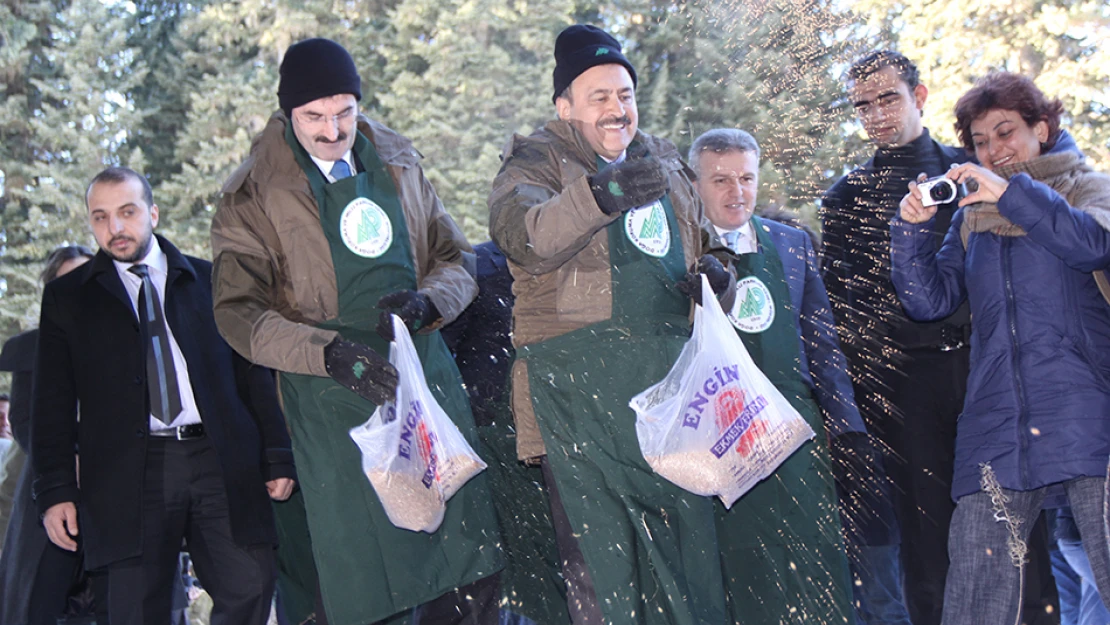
(912, 208)
(965, 184)
(941, 190)
(983, 185)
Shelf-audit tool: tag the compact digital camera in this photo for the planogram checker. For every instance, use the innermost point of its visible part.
(941, 190)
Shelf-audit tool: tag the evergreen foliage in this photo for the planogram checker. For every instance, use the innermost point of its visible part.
(178, 89)
(66, 114)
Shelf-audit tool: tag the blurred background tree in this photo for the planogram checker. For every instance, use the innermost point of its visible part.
(66, 74)
(178, 89)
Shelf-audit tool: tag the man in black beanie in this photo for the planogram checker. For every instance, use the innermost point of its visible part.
(604, 237)
(326, 230)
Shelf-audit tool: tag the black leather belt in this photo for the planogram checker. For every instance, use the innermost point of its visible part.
(181, 432)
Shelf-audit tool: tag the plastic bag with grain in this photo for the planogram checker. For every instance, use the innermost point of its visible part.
(413, 454)
(715, 425)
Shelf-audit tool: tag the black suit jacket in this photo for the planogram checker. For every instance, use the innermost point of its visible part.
(90, 355)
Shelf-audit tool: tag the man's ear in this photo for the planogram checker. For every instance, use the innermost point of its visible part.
(920, 93)
(562, 107)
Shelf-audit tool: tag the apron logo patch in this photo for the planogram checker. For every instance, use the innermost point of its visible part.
(648, 229)
(754, 310)
(365, 228)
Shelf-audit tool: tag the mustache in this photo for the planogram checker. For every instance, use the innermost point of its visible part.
(339, 138)
(623, 119)
(119, 237)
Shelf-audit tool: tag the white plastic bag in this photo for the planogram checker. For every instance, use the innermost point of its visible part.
(413, 454)
(716, 425)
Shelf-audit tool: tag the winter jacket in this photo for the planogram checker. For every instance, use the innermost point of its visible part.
(822, 365)
(1038, 402)
(855, 224)
(273, 277)
(544, 218)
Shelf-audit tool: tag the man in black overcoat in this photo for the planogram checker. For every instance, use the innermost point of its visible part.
(180, 439)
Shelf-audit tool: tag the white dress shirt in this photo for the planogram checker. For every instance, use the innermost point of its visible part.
(619, 159)
(156, 260)
(746, 243)
(325, 166)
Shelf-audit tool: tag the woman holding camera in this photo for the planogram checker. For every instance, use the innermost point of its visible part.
(1024, 250)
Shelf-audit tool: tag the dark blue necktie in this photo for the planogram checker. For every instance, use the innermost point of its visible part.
(340, 170)
(161, 377)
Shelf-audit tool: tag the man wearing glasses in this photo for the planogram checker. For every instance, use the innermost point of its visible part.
(328, 228)
(909, 377)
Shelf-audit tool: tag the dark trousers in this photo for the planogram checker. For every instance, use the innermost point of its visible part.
(54, 577)
(477, 603)
(928, 392)
(184, 499)
(581, 597)
(473, 604)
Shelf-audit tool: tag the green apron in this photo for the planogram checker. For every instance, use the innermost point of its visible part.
(781, 546)
(369, 569)
(645, 541)
(297, 578)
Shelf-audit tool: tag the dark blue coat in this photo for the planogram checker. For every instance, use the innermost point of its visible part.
(1038, 400)
(481, 337)
(824, 367)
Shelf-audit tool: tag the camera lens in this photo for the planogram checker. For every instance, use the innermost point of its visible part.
(943, 192)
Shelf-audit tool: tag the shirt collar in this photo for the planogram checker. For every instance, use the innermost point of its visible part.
(619, 159)
(325, 166)
(745, 231)
(155, 259)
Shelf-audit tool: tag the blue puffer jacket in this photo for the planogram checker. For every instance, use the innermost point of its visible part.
(1038, 399)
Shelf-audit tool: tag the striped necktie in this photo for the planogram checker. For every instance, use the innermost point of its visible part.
(161, 377)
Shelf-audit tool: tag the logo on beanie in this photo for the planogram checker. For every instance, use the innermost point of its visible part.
(601, 51)
(648, 229)
(365, 228)
(754, 310)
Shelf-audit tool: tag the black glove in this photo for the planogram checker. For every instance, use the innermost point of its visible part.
(414, 308)
(690, 286)
(361, 369)
(632, 183)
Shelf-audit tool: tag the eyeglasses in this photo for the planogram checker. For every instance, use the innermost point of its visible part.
(315, 119)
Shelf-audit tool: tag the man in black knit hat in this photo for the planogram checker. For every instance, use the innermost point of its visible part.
(602, 231)
(326, 230)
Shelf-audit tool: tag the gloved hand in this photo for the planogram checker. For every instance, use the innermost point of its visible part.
(690, 285)
(361, 369)
(413, 307)
(634, 182)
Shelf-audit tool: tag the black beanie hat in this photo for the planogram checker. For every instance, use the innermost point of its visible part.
(314, 69)
(580, 47)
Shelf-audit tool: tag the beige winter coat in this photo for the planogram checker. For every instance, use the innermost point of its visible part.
(546, 221)
(273, 277)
